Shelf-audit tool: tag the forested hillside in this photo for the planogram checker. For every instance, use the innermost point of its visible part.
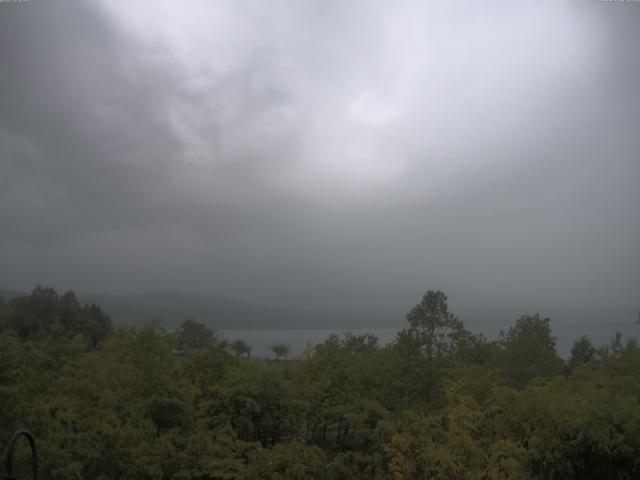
(438, 403)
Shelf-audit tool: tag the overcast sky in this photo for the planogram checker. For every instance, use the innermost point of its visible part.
(343, 153)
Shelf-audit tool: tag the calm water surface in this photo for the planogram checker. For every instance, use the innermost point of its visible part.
(260, 340)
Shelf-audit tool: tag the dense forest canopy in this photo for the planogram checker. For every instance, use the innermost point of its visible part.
(438, 403)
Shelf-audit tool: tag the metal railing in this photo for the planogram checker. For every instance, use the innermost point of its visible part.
(8, 454)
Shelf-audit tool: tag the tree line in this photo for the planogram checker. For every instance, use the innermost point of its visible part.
(437, 403)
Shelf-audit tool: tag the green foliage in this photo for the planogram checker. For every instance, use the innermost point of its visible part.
(433, 329)
(430, 342)
(439, 403)
(582, 351)
(44, 312)
(280, 350)
(193, 335)
(287, 461)
(529, 351)
(240, 348)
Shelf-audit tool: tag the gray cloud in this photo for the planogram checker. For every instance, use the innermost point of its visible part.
(324, 154)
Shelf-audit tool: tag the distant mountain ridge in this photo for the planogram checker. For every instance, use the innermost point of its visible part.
(217, 312)
(173, 307)
(7, 295)
(568, 323)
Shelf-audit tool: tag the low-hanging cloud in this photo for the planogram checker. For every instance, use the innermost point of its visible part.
(323, 153)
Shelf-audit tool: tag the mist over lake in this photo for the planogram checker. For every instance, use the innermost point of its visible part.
(297, 340)
(320, 240)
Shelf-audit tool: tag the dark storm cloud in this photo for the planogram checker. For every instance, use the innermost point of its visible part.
(82, 123)
(338, 154)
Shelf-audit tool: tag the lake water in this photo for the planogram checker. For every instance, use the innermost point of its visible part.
(260, 340)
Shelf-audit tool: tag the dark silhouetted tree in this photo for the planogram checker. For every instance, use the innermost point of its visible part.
(582, 351)
(240, 348)
(529, 350)
(280, 350)
(431, 334)
(194, 335)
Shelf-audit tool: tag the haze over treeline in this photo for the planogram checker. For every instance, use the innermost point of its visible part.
(145, 403)
(299, 327)
(337, 156)
(193, 166)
